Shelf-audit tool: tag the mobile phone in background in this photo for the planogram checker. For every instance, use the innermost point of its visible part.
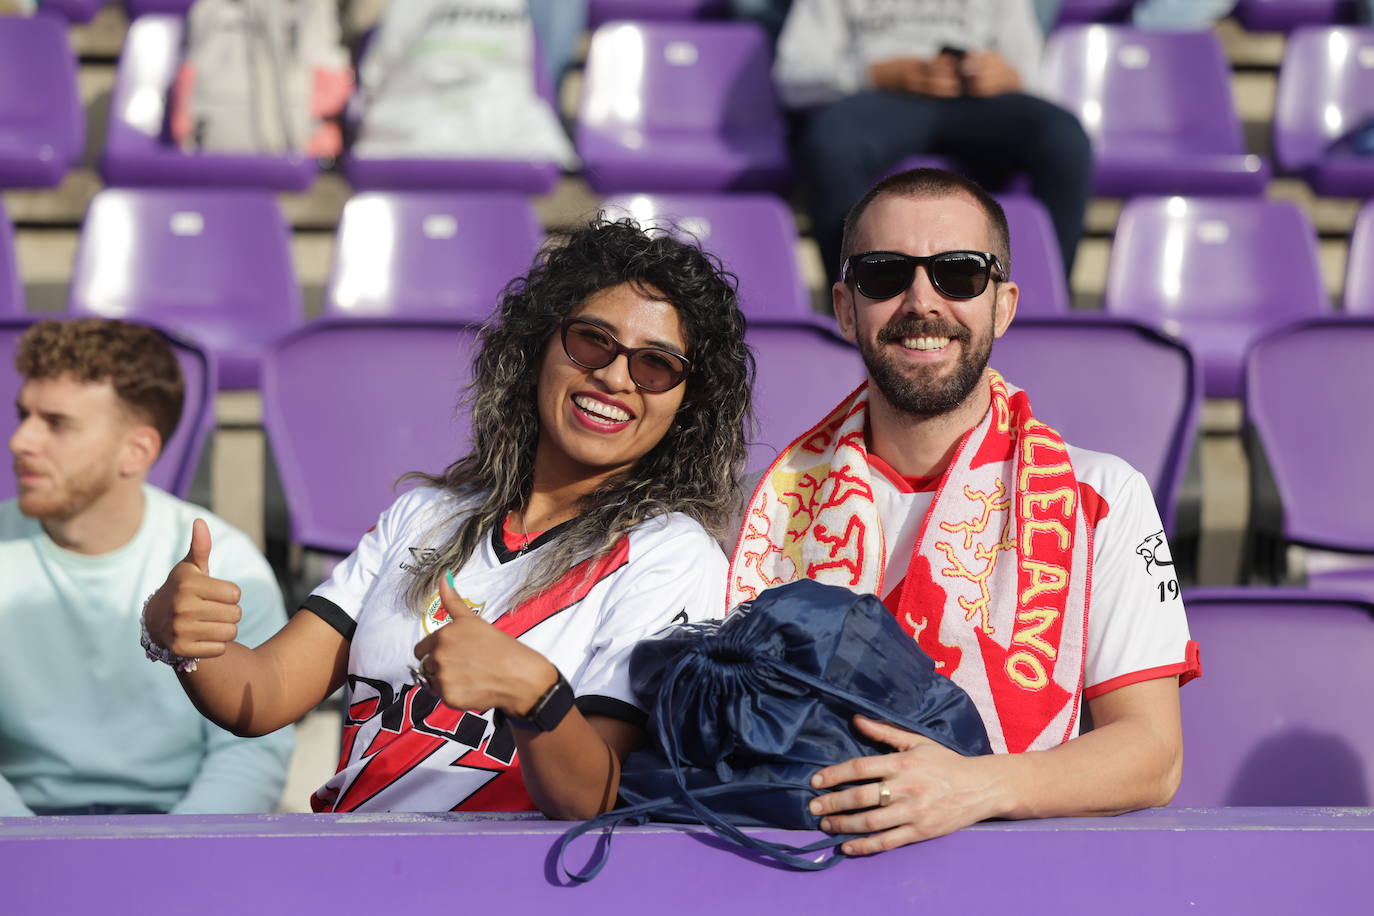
(958, 55)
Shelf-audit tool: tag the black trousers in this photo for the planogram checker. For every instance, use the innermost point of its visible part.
(846, 146)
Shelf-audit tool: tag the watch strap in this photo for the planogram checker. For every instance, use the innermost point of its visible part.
(549, 710)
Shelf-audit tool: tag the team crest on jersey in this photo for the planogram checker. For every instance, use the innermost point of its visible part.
(436, 615)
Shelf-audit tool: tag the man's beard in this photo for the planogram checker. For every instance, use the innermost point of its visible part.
(916, 390)
(68, 500)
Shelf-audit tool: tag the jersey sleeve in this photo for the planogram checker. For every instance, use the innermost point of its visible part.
(1137, 630)
(679, 577)
(340, 598)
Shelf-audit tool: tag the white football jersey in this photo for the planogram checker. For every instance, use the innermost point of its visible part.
(1137, 629)
(403, 749)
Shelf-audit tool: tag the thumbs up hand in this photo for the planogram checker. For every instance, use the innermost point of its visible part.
(193, 614)
(470, 664)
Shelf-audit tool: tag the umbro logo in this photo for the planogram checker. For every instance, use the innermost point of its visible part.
(423, 556)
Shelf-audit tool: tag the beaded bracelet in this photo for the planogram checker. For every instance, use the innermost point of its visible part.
(155, 652)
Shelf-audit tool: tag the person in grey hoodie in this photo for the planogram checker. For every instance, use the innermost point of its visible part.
(877, 81)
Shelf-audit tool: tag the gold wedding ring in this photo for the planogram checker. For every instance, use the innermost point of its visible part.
(884, 795)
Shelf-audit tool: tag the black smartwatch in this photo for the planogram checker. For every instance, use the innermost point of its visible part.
(549, 709)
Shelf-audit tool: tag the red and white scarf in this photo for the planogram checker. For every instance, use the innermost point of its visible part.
(997, 588)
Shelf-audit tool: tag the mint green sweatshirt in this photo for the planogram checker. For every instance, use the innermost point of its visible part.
(85, 718)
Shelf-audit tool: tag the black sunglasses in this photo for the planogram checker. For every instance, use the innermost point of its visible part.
(651, 368)
(956, 274)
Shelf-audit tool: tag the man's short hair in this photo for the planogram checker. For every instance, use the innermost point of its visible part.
(137, 361)
(924, 184)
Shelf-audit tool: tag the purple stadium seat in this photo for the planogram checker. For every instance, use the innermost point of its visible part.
(1280, 716)
(803, 371)
(1326, 93)
(602, 11)
(1094, 11)
(1112, 386)
(1158, 108)
(136, 8)
(367, 173)
(1358, 296)
(686, 106)
(72, 10)
(1282, 15)
(175, 469)
(42, 126)
(11, 292)
(349, 406)
(1309, 435)
(754, 235)
(438, 254)
(1217, 272)
(1036, 264)
(137, 152)
(214, 264)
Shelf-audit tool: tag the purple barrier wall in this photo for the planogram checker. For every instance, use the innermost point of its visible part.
(1227, 860)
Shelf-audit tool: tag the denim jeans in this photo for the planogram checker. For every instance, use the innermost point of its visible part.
(846, 146)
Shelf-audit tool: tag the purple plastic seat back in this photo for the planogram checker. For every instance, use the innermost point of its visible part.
(175, 469)
(1036, 264)
(137, 152)
(1325, 93)
(1217, 272)
(1158, 108)
(1306, 389)
(72, 10)
(803, 372)
(349, 406)
(11, 291)
(213, 264)
(42, 125)
(754, 235)
(1111, 386)
(681, 106)
(602, 11)
(435, 254)
(1281, 15)
(1358, 297)
(1280, 715)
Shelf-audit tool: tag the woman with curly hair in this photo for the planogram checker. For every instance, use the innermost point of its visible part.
(483, 626)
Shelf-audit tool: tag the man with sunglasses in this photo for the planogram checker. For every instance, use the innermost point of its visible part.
(1010, 557)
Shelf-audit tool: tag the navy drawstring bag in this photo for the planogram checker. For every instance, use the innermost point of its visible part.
(742, 713)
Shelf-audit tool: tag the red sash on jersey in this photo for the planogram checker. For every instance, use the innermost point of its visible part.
(997, 588)
(413, 727)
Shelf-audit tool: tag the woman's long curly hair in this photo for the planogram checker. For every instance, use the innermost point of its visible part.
(694, 468)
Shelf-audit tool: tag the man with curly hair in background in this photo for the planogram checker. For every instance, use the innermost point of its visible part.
(87, 726)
